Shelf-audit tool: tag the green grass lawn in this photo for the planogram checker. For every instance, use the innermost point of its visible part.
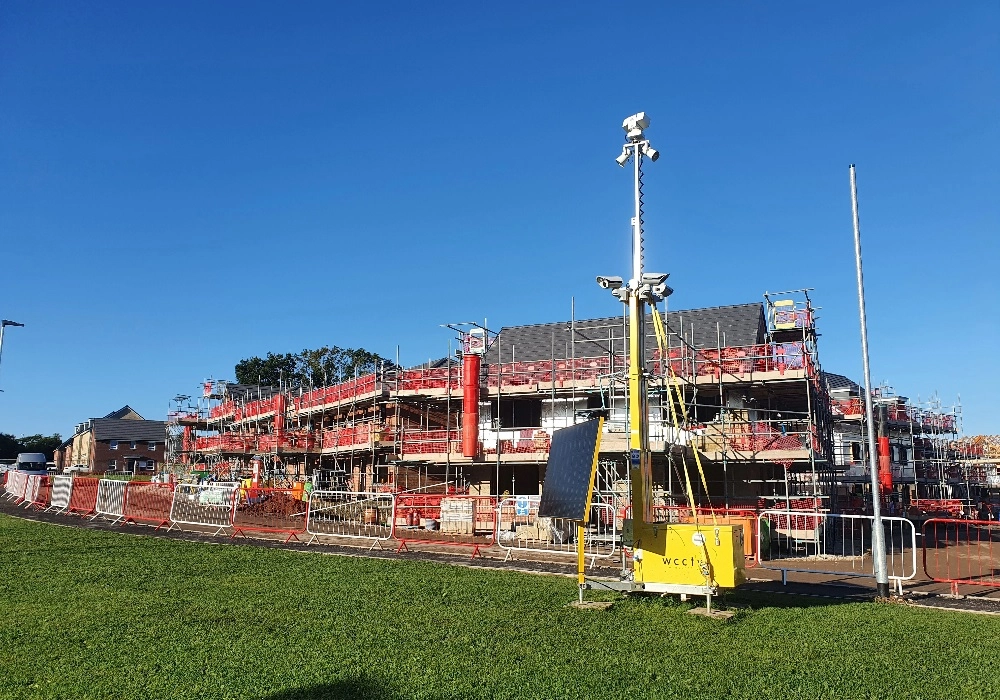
(108, 615)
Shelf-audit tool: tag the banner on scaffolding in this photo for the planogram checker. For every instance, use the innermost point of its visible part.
(569, 473)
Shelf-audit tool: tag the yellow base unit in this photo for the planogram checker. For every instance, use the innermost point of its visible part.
(689, 554)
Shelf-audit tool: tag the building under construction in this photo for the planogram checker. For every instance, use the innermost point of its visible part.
(739, 387)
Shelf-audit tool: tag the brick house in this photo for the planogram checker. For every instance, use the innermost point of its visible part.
(122, 441)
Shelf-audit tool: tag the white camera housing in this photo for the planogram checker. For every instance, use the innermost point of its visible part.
(610, 282)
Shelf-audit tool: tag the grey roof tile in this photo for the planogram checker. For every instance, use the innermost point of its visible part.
(738, 325)
(121, 429)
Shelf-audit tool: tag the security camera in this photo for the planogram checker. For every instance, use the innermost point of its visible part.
(650, 152)
(623, 158)
(609, 282)
(636, 122)
(662, 290)
(654, 278)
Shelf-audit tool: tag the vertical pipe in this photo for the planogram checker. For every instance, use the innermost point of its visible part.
(878, 536)
(470, 404)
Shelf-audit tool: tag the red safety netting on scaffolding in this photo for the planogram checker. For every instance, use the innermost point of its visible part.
(347, 436)
(83, 497)
(229, 442)
(455, 521)
(345, 391)
(431, 441)
(430, 378)
(270, 510)
(149, 503)
(586, 370)
(224, 409)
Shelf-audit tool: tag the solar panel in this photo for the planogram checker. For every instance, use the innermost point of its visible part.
(569, 474)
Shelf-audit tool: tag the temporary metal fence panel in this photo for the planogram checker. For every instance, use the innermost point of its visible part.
(963, 552)
(110, 499)
(16, 483)
(32, 485)
(519, 529)
(36, 494)
(203, 505)
(272, 510)
(83, 498)
(148, 502)
(815, 542)
(456, 521)
(62, 490)
(350, 514)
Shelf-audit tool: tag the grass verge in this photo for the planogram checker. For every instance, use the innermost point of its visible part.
(90, 614)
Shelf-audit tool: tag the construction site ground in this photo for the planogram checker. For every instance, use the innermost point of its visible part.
(763, 582)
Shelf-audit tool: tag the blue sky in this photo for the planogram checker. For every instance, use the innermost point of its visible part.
(186, 184)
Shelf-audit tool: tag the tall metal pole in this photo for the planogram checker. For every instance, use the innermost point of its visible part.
(878, 535)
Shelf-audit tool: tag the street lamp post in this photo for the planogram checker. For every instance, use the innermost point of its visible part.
(878, 534)
(641, 289)
(3, 325)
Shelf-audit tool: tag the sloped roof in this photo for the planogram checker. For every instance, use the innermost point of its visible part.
(125, 429)
(729, 326)
(124, 411)
(838, 382)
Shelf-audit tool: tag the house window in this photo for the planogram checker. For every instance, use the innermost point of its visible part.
(152, 446)
(114, 445)
(902, 455)
(855, 451)
(133, 444)
(151, 464)
(112, 464)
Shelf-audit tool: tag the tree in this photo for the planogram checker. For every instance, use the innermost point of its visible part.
(325, 365)
(10, 446)
(270, 370)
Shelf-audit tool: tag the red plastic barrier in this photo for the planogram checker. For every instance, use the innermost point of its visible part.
(40, 498)
(963, 552)
(270, 510)
(454, 521)
(149, 503)
(83, 497)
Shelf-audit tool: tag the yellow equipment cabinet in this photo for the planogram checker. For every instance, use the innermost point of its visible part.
(689, 557)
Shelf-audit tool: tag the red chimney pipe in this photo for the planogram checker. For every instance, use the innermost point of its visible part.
(470, 405)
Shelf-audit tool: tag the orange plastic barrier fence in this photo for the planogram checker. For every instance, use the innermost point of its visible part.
(83, 498)
(147, 502)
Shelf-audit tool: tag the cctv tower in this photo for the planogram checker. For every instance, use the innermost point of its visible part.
(641, 289)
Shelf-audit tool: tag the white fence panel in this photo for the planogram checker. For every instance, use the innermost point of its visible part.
(110, 499)
(14, 488)
(62, 489)
(32, 487)
(206, 505)
(835, 544)
(519, 529)
(350, 514)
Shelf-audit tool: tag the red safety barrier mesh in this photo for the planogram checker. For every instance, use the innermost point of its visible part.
(952, 506)
(346, 436)
(147, 502)
(962, 552)
(586, 369)
(345, 391)
(83, 497)
(459, 521)
(431, 441)
(270, 510)
(43, 494)
(430, 378)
